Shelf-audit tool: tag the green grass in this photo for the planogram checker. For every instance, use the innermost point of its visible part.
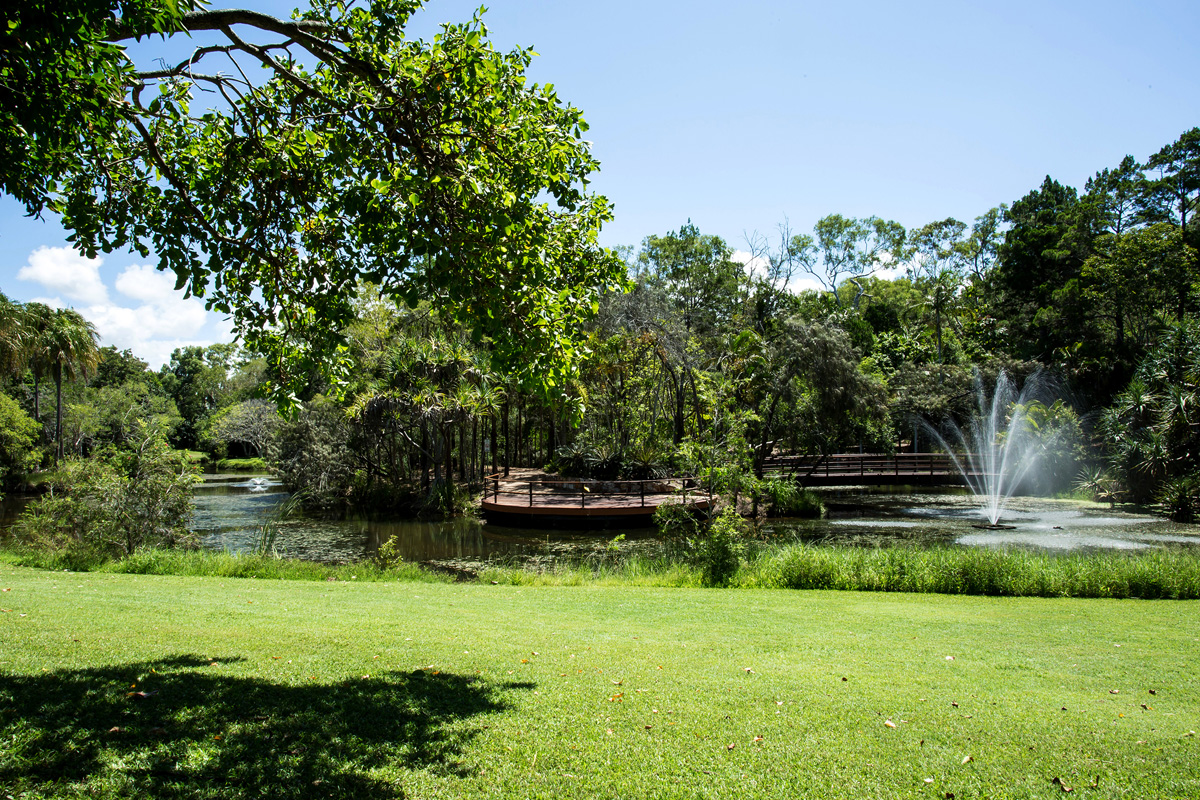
(160, 686)
(1156, 574)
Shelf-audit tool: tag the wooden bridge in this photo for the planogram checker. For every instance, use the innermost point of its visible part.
(869, 469)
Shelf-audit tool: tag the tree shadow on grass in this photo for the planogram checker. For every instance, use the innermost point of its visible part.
(178, 727)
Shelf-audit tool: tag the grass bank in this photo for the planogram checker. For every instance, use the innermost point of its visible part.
(162, 686)
(1157, 574)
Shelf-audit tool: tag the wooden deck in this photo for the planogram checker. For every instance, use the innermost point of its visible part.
(538, 500)
(531, 498)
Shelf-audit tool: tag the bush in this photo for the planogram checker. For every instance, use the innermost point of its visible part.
(18, 435)
(785, 498)
(714, 546)
(114, 503)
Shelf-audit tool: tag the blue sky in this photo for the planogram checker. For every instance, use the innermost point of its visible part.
(738, 116)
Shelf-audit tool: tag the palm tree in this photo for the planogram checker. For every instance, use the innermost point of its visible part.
(67, 348)
(13, 336)
(35, 321)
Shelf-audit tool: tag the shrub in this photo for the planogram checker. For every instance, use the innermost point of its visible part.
(18, 435)
(785, 498)
(114, 503)
(714, 546)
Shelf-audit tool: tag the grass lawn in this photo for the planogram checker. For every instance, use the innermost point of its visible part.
(160, 686)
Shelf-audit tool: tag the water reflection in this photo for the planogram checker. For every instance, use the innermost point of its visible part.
(231, 510)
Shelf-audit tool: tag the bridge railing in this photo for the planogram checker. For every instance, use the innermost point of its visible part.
(865, 464)
(587, 489)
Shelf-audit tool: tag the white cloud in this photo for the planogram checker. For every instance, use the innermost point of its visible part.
(146, 315)
(162, 321)
(64, 271)
(144, 282)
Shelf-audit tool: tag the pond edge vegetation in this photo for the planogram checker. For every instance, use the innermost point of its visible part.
(1159, 574)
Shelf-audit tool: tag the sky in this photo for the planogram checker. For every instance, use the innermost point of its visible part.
(739, 117)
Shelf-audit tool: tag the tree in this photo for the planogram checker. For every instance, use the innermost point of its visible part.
(66, 348)
(936, 268)
(852, 249)
(433, 169)
(18, 442)
(1176, 191)
(251, 422)
(1037, 258)
(699, 275)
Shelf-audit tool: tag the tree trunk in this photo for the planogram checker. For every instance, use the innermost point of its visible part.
(507, 448)
(425, 456)
(58, 451)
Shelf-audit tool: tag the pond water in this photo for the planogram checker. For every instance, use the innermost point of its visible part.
(230, 511)
(880, 517)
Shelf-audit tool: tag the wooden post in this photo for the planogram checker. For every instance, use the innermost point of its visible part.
(643, 485)
(531, 494)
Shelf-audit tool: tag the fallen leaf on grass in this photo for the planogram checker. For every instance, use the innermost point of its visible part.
(889, 723)
(141, 695)
(617, 698)
(616, 683)
(1153, 692)
(747, 669)
(967, 759)
(1114, 691)
(1059, 782)
(1148, 708)
(115, 729)
(730, 746)
(609, 731)
(949, 658)
(758, 738)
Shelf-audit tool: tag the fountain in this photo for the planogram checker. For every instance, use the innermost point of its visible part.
(999, 448)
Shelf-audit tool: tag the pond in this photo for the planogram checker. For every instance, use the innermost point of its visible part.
(230, 511)
(879, 517)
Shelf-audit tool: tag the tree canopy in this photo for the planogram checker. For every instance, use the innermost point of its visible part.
(433, 169)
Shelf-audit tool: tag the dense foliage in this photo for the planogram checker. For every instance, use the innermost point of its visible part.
(402, 233)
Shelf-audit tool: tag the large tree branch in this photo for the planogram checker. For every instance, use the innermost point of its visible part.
(219, 19)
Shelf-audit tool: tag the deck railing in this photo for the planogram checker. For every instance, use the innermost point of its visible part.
(635, 492)
(867, 464)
